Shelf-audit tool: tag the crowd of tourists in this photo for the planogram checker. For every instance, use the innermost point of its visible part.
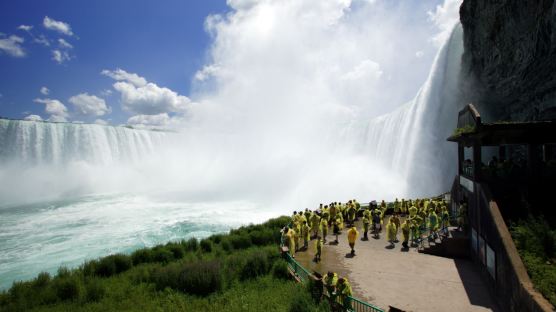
(410, 220)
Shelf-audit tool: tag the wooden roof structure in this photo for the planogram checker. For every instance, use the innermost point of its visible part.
(472, 131)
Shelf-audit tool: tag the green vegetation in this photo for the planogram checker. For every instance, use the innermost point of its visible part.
(235, 272)
(536, 243)
(463, 130)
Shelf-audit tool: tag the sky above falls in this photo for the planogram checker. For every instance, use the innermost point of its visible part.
(167, 64)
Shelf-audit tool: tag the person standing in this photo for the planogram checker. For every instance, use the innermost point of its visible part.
(391, 232)
(397, 222)
(405, 233)
(343, 289)
(324, 228)
(315, 222)
(366, 222)
(318, 249)
(330, 280)
(352, 237)
(306, 232)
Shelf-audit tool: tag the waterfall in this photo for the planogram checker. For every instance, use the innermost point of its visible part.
(37, 142)
(412, 139)
(406, 150)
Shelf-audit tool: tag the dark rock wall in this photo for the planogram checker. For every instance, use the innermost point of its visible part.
(509, 64)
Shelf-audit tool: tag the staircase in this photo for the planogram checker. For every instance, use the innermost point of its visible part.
(453, 245)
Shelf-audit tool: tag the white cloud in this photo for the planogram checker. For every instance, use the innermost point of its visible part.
(59, 26)
(89, 105)
(122, 75)
(207, 72)
(64, 44)
(101, 122)
(419, 54)
(60, 56)
(241, 4)
(42, 40)
(12, 46)
(146, 98)
(33, 118)
(45, 90)
(444, 16)
(25, 28)
(158, 120)
(57, 110)
(106, 92)
(367, 69)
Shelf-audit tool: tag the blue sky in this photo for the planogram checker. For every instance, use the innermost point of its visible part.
(165, 42)
(140, 62)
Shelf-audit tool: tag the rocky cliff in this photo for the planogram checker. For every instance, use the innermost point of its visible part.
(509, 64)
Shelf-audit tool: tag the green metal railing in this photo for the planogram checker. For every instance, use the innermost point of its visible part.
(361, 306)
(300, 272)
(351, 303)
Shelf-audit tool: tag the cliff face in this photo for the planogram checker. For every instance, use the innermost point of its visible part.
(509, 64)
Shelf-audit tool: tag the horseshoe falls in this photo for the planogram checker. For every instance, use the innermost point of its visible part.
(72, 192)
(412, 139)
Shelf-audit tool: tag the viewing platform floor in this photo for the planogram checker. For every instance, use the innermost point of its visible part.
(407, 280)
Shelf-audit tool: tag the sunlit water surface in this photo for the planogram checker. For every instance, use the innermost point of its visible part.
(45, 236)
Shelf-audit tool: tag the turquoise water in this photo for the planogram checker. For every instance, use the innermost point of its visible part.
(44, 236)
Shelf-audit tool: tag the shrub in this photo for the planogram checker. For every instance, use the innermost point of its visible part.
(216, 238)
(42, 279)
(161, 254)
(190, 244)
(256, 265)
(226, 245)
(262, 237)
(141, 274)
(206, 245)
(63, 272)
(241, 241)
(201, 278)
(89, 268)
(536, 243)
(142, 255)
(176, 250)
(68, 288)
(94, 290)
(277, 223)
(122, 262)
(301, 302)
(167, 276)
(280, 269)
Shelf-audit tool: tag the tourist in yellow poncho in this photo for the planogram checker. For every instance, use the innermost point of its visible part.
(433, 223)
(306, 233)
(412, 211)
(297, 235)
(366, 222)
(352, 237)
(291, 242)
(343, 289)
(330, 280)
(318, 249)
(315, 222)
(324, 228)
(405, 233)
(391, 232)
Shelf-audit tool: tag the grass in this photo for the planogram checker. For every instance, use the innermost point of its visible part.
(535, 240)
(463, 130)
(240, 271)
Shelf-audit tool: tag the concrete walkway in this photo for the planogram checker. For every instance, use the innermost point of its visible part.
(407, 280)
